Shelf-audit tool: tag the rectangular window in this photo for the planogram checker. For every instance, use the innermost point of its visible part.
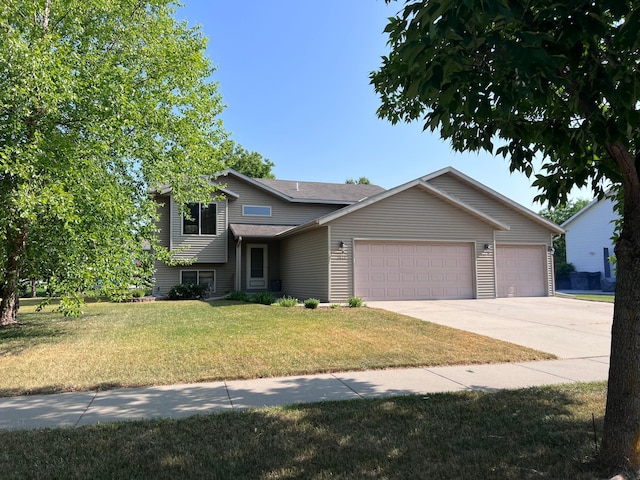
(256, 210)
(200, 277)
(202, 221)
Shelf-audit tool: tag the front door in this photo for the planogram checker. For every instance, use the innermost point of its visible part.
(256, 266)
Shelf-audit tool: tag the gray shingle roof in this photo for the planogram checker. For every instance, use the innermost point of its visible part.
(321, 191)
(266, 231)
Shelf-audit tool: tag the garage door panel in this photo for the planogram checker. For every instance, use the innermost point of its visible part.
(413, 270)
(520, 271)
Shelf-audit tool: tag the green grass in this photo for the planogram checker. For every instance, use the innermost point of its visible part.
(595, 298)
(522, 434)
(135, 344)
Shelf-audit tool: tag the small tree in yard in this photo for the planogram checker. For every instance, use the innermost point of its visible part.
(99, 101)
(545, 79)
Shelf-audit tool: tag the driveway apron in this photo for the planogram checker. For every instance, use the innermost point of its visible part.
(565, 327)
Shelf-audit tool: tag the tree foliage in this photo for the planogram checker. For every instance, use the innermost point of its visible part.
(251, 164)
(548, 80)
(99, 101)
(360, 181)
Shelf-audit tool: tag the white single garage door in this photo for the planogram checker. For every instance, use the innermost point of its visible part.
(521, 271)
(413, 271)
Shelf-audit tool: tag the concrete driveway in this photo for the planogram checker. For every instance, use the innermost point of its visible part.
(565, 327)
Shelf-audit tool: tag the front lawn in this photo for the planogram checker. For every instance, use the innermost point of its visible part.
(537, 433)
(135, 344)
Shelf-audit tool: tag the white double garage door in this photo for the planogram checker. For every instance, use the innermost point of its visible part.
(438, 271)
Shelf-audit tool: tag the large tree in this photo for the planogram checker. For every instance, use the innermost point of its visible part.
(555, 81)
(100, 100)
(251, 164)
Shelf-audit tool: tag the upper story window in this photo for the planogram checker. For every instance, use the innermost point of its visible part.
(256, 210)
(203, 219)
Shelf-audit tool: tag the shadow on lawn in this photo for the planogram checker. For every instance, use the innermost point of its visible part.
(532, 433)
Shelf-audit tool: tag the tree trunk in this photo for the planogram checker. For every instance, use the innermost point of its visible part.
(34, 289)
(16, 247)
(621, 436)
(9, 310)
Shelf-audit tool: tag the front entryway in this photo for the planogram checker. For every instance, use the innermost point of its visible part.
(257, 266)
(413, 270)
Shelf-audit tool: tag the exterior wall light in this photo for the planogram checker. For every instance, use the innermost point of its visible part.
(341, 245)
(488, 246)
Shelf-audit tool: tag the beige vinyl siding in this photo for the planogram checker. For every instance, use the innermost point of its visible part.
(282, 211)
(413, 214)
(304, 266)
(207, 248)
(524, 231)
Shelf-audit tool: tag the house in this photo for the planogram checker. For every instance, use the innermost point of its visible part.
(588, 238)
(441, 236)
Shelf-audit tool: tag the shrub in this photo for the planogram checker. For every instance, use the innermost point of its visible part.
(311, 303)
(186, 291)
(335, 305)
(288, 302)
(263, 298)
(138, 293)
(237, 296)
(355, 302)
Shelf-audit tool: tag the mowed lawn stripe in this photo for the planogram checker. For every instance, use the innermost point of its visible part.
(126, 345)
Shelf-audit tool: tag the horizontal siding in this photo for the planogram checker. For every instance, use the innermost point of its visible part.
(588, 235)
(413, 214)
(282, 211)
(304, 267)
(523, 230)
(164, 224)
(206, 248)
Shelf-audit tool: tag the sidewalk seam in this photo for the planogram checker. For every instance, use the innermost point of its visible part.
(348, 386)
(86, 409)
(226, 389)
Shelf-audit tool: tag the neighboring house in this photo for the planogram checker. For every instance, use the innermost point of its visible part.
(588, 237)
(442, 236)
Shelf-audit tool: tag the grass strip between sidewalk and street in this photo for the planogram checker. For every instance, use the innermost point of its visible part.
(157, 343)
(520, 434)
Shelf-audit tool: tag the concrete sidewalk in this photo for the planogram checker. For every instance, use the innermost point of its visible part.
(85, 408)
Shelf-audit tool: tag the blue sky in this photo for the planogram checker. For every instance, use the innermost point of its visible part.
(294, 75)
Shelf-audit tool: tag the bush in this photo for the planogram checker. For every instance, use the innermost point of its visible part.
(237, 296)
(138, 293)
(186, 291)
(335, 305)
(355, 302)
(311, 303)
(263, 298)
(288, 302)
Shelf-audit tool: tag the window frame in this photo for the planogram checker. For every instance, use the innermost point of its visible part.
(199, 220)
(197, 272)
(244, 214)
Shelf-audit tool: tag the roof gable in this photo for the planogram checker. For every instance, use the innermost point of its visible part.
(417, 183)
(496, 196)
(586, 209)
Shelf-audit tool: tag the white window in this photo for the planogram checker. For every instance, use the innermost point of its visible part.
(202, 221)
(199, 277)
(256, 210)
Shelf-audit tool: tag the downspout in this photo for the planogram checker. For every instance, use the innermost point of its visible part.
(238, 285)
